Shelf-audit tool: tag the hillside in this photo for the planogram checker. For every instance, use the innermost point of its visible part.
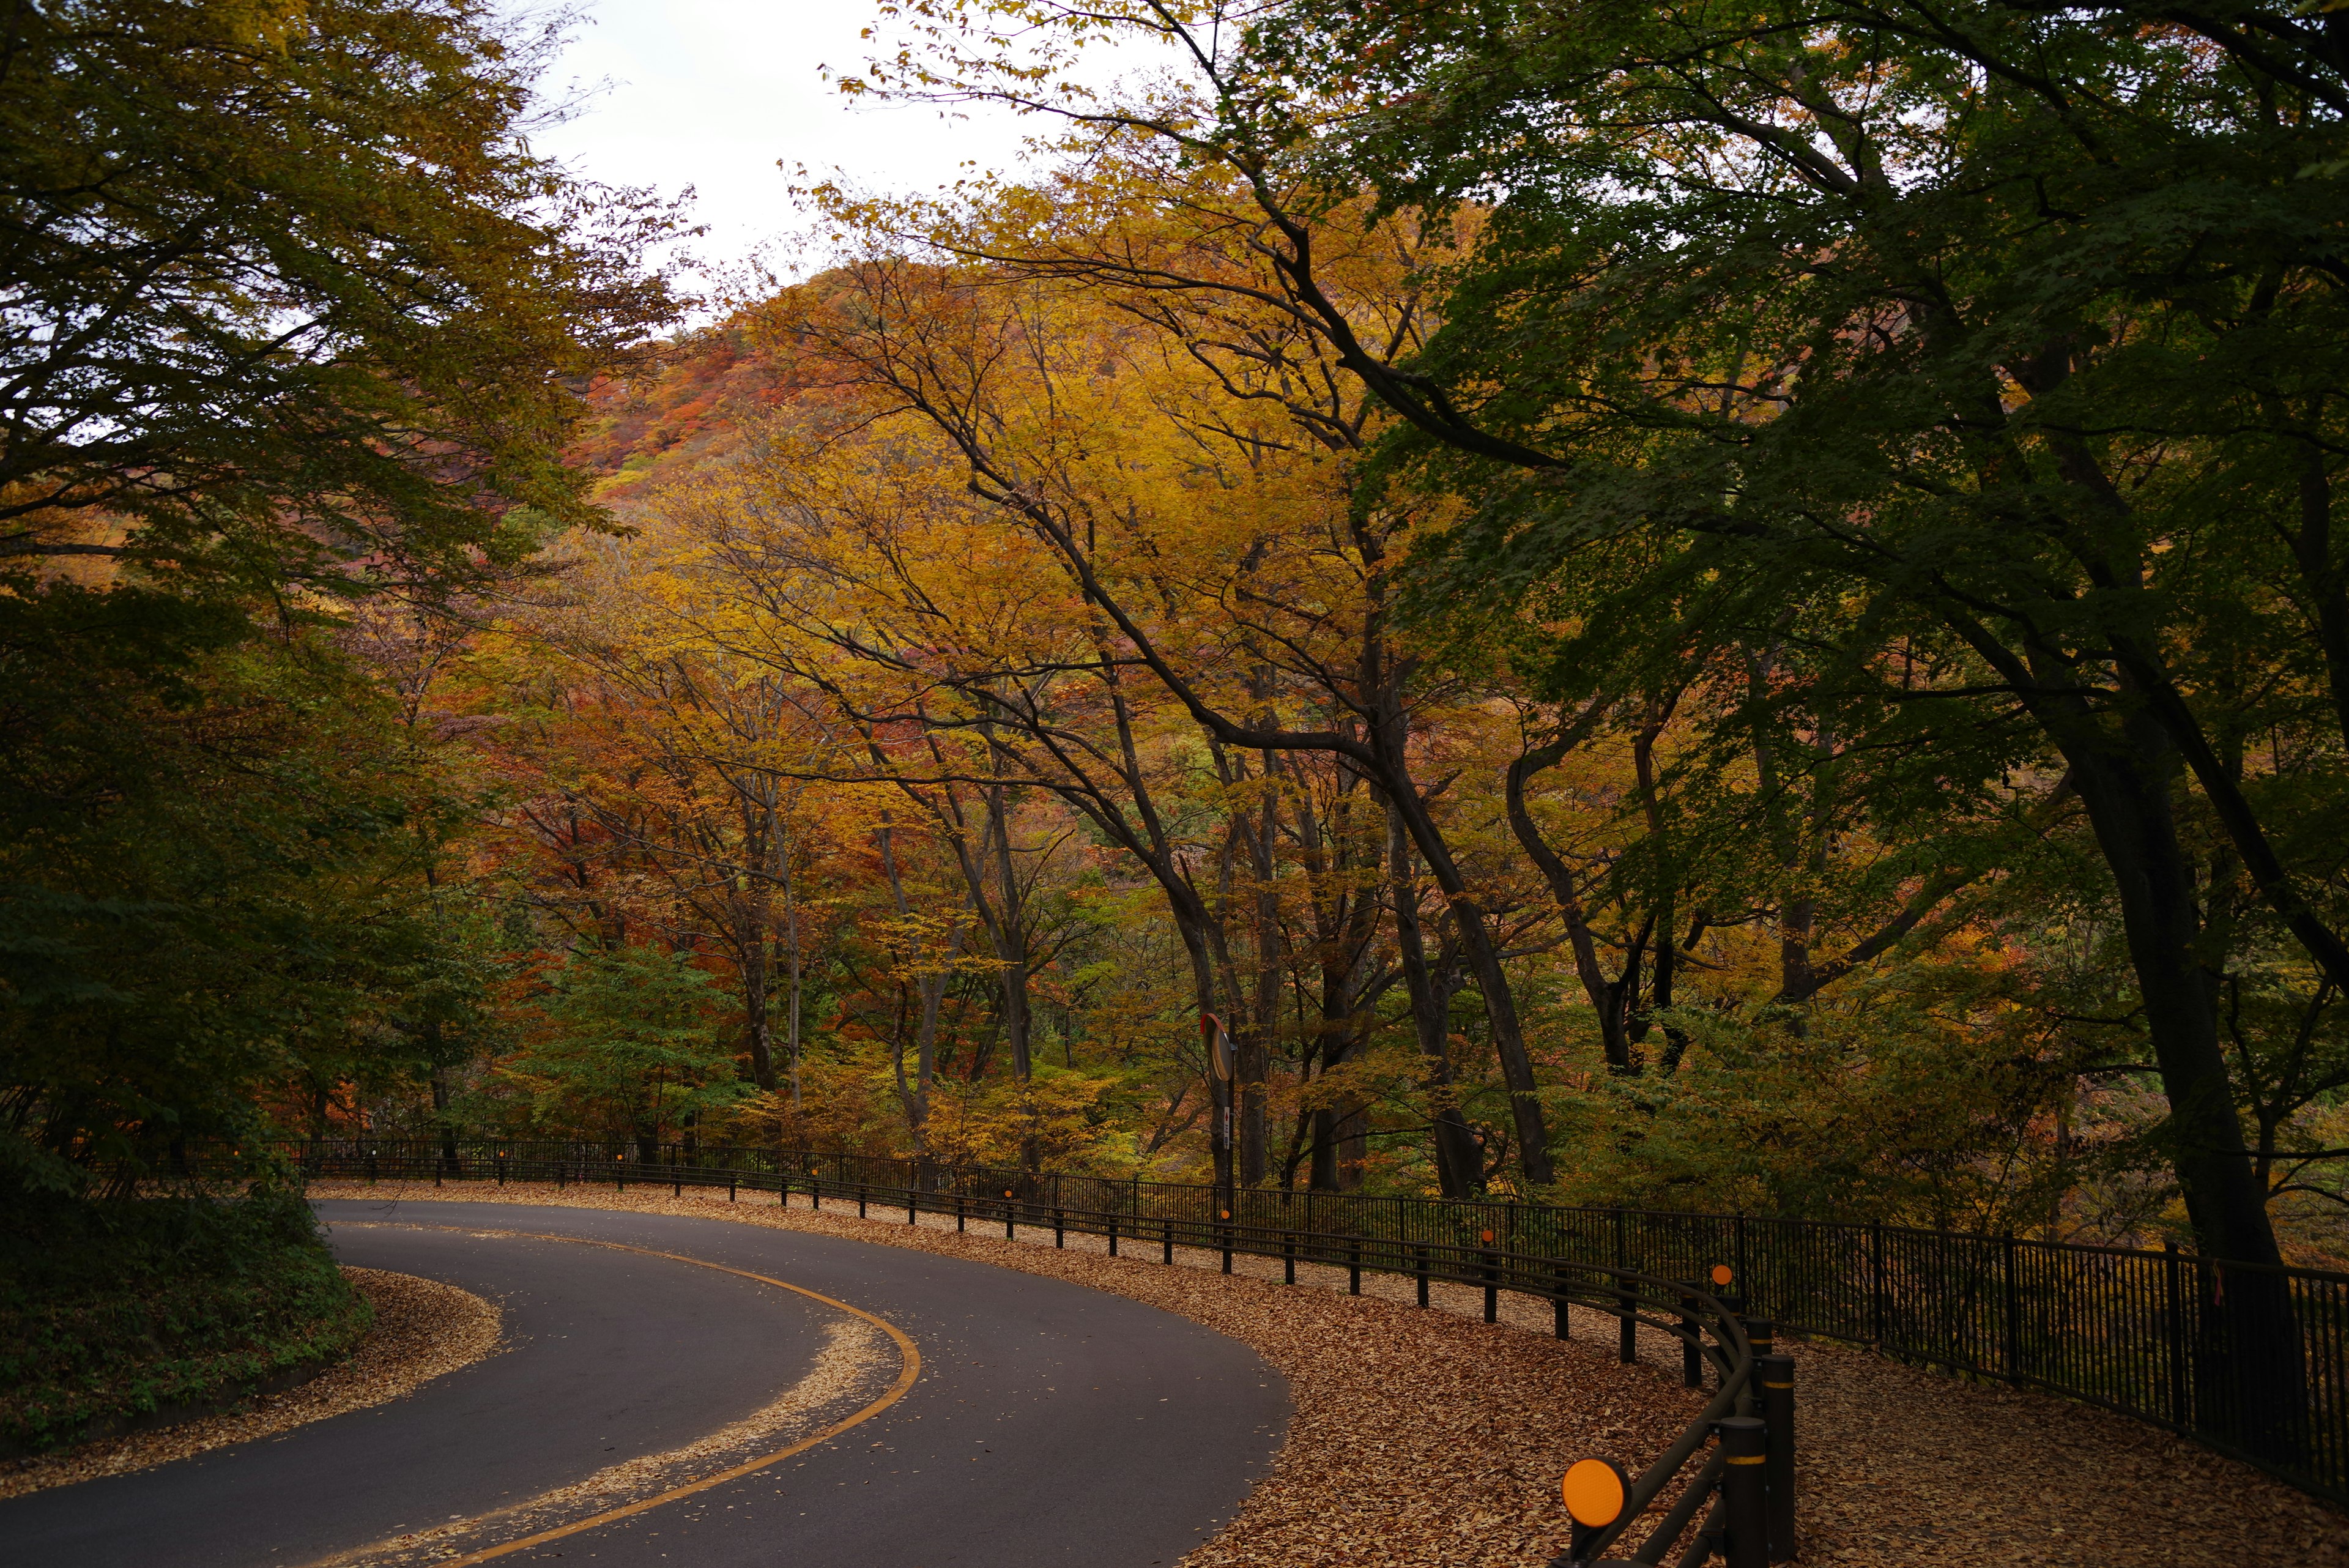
(685, 407)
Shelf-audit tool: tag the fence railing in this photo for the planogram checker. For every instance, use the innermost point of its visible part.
(1743, 1476)
(2250, 1359)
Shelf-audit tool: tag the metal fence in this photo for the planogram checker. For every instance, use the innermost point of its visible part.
(2251, 1359)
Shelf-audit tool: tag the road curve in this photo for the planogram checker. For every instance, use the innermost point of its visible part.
(1048, 1424)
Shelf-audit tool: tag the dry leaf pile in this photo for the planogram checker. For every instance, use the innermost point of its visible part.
(1427, 1438)
(422, 1328)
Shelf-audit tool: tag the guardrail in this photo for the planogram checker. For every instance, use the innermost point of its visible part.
(1744, 1482)
(2251, 1359)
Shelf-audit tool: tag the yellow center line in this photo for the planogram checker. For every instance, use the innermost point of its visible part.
(910, 1367)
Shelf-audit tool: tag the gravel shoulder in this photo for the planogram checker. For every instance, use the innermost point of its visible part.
(1434, 1438)
(422, 1329)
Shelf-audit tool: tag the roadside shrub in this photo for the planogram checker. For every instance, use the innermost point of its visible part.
(111, 1310)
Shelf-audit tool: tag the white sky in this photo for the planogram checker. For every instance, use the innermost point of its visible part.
(713, 93)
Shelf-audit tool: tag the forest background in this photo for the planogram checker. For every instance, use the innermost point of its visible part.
(1727, 608)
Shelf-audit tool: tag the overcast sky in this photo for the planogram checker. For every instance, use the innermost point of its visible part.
(713, 93)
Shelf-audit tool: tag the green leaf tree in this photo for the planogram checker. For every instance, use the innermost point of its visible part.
(631, 1044)
(288, 295)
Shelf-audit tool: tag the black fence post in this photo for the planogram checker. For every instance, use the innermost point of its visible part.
(1876, 1281)
(1777, 1375)
(733, 1181)
(913, 1196)
(1419, 1266)
(1288, 1257)
(1112, 1233)
(1560, 1326)
(1761, 1340)
(2013, 1313)
(961, 1211)
(1492, 1271)
(860, 1195)
(2175, 1303)
(1354, 1265)
(1059, 1226)
(1692, 1346)
(1744, 1491)
(1627, 1304)
(1745, 1280)
(1170, 1242)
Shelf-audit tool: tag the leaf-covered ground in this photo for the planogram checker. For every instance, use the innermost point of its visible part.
(1426, 1438)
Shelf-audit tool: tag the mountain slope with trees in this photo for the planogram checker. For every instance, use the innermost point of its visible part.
(1708, 607)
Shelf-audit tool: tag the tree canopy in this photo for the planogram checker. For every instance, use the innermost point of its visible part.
(289, 296)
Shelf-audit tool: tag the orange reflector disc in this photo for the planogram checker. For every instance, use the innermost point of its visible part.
(1723, 1274)
(1594, 1491)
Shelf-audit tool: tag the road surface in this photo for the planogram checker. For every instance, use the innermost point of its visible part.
(1048, 1424)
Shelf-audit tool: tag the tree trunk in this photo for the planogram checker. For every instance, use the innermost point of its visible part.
(2324, 579)
(755, 1026)
(1665, 915)
(1460, 1170)
(441, 1103)
(1390, 744)
(2250, 1365)
(792, 980)
(929, 990)
(1345, 915)
(1011, 945)
(1500, 1001)
(1255, 1053)
(1608, 999)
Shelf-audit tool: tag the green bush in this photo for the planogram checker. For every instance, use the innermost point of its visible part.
(111, 1309)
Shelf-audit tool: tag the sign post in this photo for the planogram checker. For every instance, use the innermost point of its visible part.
(1595, 1492)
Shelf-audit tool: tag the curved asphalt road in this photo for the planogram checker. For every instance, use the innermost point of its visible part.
(1052, 1424)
